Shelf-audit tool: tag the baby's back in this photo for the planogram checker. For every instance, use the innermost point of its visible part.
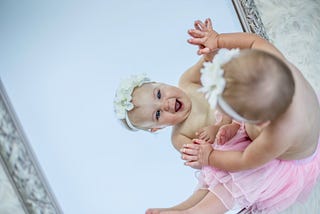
(302, 120)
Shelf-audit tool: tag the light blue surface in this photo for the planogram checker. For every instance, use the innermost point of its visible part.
(61, 61)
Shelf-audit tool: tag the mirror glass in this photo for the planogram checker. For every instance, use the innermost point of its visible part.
(60, 64)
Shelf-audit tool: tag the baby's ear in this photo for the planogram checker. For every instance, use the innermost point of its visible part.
(154, 129)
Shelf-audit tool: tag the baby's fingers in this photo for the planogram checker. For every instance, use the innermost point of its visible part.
(199, 25)
(204, 51)
(196, 41)
(189, 151)
(208, 23)
(196, 33)
(196, 143)
(188, 157)
(194, 164)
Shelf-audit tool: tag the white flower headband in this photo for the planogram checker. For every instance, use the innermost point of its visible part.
(214, 83)
(122, 101)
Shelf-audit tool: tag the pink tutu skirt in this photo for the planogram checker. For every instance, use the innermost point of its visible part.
(270, 188)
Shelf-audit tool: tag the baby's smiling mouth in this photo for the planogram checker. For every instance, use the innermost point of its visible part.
(177, 105)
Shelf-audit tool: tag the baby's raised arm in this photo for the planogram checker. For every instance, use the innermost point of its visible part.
(192, 75)
(208, 40)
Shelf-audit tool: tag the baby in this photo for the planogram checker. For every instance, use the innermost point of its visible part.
(141, 104)
(279, 162)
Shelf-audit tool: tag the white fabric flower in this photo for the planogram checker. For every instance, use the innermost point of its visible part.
(212, 78)
(122, 101)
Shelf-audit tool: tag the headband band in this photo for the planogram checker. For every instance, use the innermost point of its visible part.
(122, 101)
(130, 125)
(232, 113)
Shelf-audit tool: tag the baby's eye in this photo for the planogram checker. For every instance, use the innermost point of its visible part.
(158, 114)
(159, 95)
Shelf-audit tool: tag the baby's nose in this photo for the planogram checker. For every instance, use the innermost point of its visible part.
(166, 106)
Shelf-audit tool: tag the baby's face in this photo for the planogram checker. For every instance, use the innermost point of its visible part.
(159, 105)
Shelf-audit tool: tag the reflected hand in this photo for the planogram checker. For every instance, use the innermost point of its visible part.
(204, 36)
(208, 133)
(197, 154)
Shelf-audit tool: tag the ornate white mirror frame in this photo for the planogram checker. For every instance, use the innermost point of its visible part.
(17, 157)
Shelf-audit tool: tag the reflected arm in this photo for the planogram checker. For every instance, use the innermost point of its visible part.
(208, 40)
(192, 75)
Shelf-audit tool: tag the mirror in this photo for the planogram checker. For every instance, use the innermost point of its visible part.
(61, 62)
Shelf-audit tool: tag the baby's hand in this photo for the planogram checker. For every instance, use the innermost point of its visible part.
(204, 36)
(196, 154)
(208, 133)
(227, 132)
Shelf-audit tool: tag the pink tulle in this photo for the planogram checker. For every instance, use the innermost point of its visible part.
(270, 188)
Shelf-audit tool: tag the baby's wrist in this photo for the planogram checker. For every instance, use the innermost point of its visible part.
(209, 163)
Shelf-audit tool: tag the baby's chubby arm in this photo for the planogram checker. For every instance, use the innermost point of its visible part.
(192, 75)
(262, 150)
(208, 40)
(178, 140)
(259, 152)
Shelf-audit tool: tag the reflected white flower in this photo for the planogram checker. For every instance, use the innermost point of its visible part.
(122, 101)
(212, 73)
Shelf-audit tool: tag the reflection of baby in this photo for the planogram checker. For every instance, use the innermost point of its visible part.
(142, 104)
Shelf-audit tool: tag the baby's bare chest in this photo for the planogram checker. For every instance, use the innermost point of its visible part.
(201, 116)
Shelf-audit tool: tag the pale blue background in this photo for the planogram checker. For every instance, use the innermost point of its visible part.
(60, 62)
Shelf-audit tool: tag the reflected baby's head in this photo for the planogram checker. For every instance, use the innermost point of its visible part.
(144, 105)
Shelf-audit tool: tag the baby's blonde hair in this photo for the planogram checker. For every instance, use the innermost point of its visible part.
(259, 86)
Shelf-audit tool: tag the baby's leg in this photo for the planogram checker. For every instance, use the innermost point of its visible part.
(226, 132)
(194, 199)
(208, 205)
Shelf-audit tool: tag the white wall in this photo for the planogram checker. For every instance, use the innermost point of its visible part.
(61, 61)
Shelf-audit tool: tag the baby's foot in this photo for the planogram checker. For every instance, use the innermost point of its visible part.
(176, 212)
(227, 132)
(156, 210)
(165, 211)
